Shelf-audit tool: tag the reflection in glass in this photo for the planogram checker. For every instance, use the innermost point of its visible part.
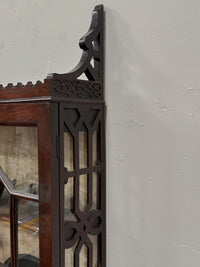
(4, 227)
(68, 152)
(28, 228)
(94, 190)
(19, 160)
(82, 149)
(69, 256)
(96, 157)
(68, 200)
(94, 240)
(83, 256)
(82, 191)
(19, 156)
(94, 148)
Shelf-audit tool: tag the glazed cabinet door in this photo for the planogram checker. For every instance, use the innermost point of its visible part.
(27, 185)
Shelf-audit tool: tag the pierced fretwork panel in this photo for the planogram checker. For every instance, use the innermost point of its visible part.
(83, 235)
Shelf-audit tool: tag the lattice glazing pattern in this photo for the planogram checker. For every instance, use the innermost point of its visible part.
(19, 160)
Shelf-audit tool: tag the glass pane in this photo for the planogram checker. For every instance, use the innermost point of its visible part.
(94, 190)
(19, 156)
(83, 256)
(69, 256)
(96, 147)
(69, 195)
(28, 232)
(94, 239)
(4, 228)
(68, 152)
(82, 191)
(82, 149)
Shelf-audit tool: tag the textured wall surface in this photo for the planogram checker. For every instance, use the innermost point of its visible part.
(153, 113)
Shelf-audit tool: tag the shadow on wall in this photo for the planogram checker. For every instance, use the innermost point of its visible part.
(149, 134)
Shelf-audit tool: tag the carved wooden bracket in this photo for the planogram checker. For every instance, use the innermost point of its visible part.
(70, 85)
(93, 50)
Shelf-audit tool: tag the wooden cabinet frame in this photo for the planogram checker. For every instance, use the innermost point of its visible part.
(50, 106)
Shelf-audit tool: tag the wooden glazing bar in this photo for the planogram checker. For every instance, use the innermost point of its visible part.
(83, 171)
(103, 190)
(14, 231)
(61, 193)
(89, 176)
(76, 177)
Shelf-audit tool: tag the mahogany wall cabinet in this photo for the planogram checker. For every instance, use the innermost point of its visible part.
(52, 158)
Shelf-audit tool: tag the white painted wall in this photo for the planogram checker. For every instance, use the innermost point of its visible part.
(153, 113)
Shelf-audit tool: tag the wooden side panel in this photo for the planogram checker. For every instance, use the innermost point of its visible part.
(87, 221)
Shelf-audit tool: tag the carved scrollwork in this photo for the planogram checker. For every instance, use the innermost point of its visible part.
(77, 89)
(90, 223)
(91, 62)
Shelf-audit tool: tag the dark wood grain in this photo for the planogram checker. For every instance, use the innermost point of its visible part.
(25, 91)
(39, 115)
(14, 231)
(46, 105)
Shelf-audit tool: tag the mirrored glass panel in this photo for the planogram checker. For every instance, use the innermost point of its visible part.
(19, 156)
